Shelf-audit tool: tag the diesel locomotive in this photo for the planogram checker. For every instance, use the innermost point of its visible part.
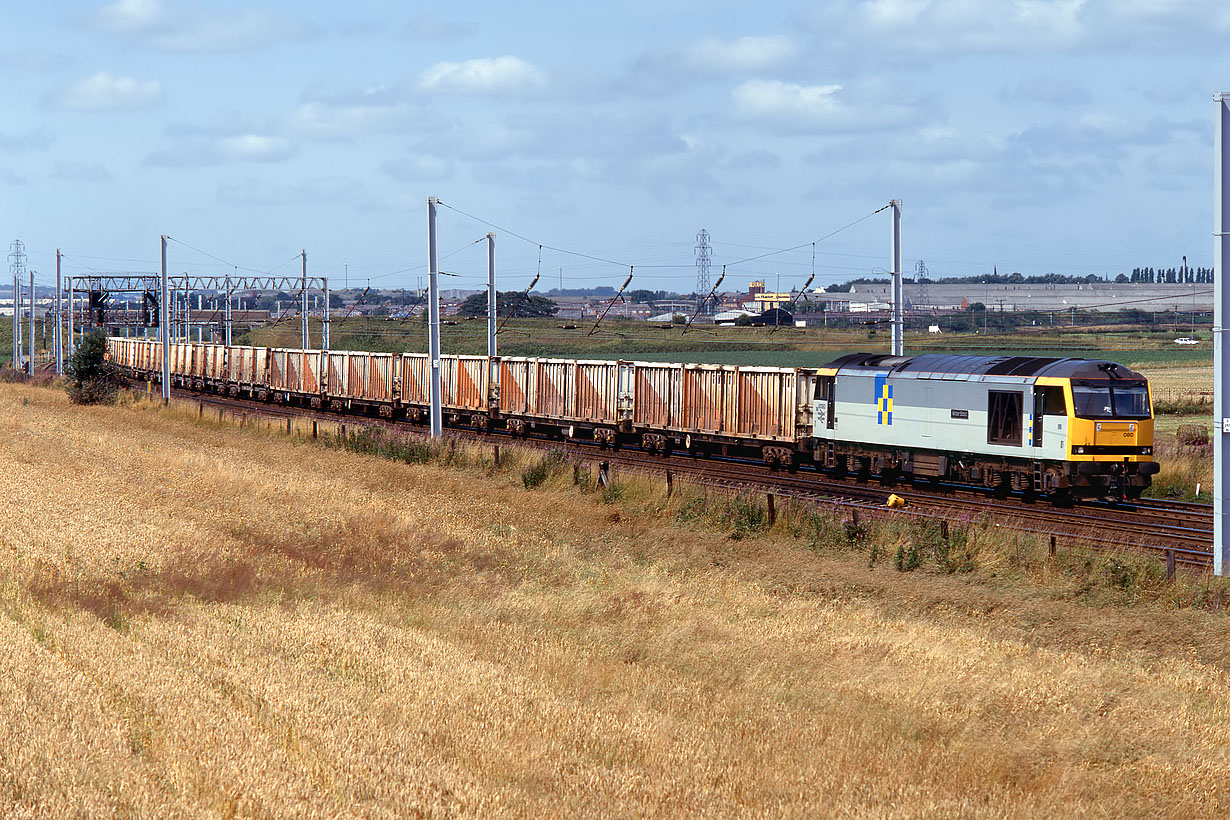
(1042, 427)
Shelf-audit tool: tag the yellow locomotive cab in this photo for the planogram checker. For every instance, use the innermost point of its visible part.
(1110, 432)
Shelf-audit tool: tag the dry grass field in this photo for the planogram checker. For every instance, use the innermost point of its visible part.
(202, 621)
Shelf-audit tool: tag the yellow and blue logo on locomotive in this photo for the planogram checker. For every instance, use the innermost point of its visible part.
(884, 400)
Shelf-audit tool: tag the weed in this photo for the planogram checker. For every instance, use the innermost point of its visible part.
(821, 529)
(691, 511)
(537, 473)
(745, 516)
(957, 553)
(856, 532)
(909, 558)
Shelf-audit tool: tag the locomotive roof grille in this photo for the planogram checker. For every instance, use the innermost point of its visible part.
(1027, 366)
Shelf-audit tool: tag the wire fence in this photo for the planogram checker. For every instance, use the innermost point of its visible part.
(1181, 396)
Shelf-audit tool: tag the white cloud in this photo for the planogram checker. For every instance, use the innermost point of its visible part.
(130, 15)
(482, 76)
(196, 151)
(776, 100)
(195, 28)
(435, 28)
(80, 171)
(10, 177)
(105, 91)
(974, 24)
(1047, 89)
(907, 29)
(744, 54)
(418, 168)
(29, 141)
(346, 116)
(255, 148)
(264, 193)
(811, 109)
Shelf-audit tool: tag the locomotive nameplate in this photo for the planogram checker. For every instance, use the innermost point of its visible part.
(960, 414)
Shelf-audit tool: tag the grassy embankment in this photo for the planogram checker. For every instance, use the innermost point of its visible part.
(201, 620)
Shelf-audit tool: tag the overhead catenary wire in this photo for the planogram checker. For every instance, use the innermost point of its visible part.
(232, 264)
(814, 241)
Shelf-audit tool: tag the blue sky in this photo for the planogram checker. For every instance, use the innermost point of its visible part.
(1070, 136)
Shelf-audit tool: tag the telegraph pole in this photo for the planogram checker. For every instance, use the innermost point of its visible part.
(433, 316)
(898, 319)
(57, 339)
(492, 299)
(18, 255)
(16, 319)
(164, 326)
(226, 313)
(71, 340)
(31, 366)
(324, 324)
(303, 308)
(1221, 311)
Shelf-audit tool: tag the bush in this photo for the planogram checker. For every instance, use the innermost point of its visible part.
(90, 378)
(746, 516)
(909, 558)
(537, 473)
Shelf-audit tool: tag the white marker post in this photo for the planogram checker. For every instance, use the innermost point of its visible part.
(1221, 309)
(433, 318)
(164, 325)
(898, 286)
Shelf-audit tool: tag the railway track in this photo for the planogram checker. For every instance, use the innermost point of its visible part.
(1179, 532)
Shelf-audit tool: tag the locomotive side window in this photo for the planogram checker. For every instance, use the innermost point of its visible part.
(1053, 403)
(1004, 418)
(825, 392)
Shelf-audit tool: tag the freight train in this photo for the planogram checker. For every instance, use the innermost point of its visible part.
(1042, 427)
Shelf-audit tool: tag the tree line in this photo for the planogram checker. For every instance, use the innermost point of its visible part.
(1169, 276)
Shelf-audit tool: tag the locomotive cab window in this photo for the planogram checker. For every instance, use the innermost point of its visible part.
(824, 388)
(1095, 401)
(1004, 418)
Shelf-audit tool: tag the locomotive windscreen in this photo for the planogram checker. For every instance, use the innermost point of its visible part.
(1110, 402)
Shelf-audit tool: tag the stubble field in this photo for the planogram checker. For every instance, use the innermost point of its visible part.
(203, 621)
